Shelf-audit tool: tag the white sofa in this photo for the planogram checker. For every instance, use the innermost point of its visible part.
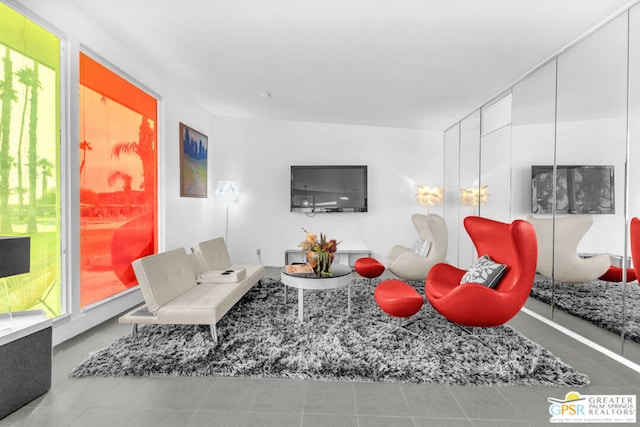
(172, 294)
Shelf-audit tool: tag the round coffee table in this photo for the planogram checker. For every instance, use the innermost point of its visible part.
(341, 277)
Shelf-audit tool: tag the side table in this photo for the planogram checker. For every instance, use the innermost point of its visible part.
(301, 281)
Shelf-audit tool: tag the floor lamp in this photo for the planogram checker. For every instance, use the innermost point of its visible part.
(228, 192)
(474, 196)
(429, 196)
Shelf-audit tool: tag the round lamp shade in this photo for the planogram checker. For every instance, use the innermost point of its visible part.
(228, 191)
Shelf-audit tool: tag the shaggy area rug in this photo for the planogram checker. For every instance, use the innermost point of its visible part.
(261, 337)
(599, 302)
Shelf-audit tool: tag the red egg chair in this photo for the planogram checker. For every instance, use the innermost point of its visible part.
(634, 240)
(614, 274)
(475, 305)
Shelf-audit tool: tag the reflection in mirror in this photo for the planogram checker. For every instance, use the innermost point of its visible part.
(591, 132)
(533, 143)
(632, 300)
(495, 156)
(452, 194)
(533, 133)
(469, 180)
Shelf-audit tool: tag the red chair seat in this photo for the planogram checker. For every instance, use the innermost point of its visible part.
(397, 298)
(368, 267)
(614, 274)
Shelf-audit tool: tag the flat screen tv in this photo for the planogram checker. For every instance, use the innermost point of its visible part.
(579, 189)
(328, 188)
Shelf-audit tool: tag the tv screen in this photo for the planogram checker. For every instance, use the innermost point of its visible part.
(579, 189)
(328, 189)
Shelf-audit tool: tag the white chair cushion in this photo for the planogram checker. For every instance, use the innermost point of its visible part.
(164, 276)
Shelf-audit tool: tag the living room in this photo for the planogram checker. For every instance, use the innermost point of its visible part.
(258, 151)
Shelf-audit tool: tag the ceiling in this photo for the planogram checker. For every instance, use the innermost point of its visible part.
(403, 63)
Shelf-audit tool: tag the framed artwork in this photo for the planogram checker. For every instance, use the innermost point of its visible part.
(193, 162)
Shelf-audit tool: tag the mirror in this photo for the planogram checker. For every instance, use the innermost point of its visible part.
(469, 180)
(495, 157)
(452, 192)
(631, 303)
(533, 143)
(571, 111)
(592, 114)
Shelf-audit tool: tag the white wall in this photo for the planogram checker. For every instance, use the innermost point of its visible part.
(258, 153)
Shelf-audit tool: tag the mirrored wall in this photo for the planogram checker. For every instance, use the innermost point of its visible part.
(561, 148)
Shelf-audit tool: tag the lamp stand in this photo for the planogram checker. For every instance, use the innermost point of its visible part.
(226, 226)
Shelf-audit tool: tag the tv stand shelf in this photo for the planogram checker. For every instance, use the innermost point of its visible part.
(346, 257)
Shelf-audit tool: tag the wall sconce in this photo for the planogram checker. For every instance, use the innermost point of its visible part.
(429, 196)
(15, 258)
(474, 196)
(227, 192)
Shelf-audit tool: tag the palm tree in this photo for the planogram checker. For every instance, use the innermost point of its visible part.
(145, 149)
(46, 167)
(25, 76)
(32, 226)
(84, 146)
(125, 177)
(126, 183)
(8, 95)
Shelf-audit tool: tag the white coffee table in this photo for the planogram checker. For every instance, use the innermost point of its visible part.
(341, 277)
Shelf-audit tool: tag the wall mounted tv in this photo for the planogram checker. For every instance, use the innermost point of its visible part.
(328, 188)
(579, 189)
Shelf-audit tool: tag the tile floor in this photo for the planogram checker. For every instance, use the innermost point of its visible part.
(185, 401)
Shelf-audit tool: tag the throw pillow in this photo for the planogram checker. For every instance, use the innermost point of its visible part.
(484, 271)
(421, 247)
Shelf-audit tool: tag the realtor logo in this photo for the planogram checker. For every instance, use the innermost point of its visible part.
(577, 408)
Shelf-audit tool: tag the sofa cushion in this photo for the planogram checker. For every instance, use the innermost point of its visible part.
(208, 302)
(213, 254)
(170, 273)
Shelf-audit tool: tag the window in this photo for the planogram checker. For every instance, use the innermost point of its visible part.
(118, 180)
(30, 160)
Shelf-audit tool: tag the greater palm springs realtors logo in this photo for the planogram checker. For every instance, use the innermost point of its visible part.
(576, 408)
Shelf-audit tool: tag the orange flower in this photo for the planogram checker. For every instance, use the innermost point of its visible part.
(312, 243)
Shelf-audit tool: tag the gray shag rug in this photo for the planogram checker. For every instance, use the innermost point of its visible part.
(260, 337)
(599, 302)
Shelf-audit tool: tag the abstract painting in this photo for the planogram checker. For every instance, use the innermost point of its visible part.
(193, 162)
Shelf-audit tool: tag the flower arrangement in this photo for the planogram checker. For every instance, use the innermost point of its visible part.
(320, 252)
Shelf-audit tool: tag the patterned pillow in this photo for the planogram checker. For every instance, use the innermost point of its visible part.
(421, 247)
(484, 272)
